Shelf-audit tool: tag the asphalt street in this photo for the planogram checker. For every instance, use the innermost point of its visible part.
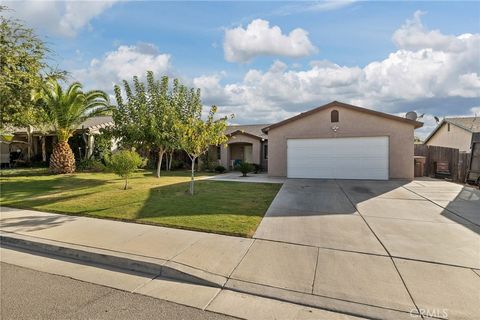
(29, 294)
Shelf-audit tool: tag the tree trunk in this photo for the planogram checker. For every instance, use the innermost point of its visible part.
(126, 184)
(44, 148)
(62, 159)
(159, 162)
(166, 161)
(192, 180)
(170, 162)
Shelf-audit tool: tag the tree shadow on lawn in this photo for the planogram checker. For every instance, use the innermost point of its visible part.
(37, 193)
(24, 172)
(217, 206)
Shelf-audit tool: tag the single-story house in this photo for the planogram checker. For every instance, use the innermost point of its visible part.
(246, 143)
(82, 142)
(342, 141)
(454, 133)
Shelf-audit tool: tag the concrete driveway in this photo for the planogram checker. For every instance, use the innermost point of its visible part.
(396, 245)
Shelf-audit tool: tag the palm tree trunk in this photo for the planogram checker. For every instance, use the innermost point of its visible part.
(62, 159)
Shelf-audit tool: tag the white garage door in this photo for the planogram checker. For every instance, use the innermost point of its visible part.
(338, 158)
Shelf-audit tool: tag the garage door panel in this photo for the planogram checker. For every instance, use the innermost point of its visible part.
(338, 158)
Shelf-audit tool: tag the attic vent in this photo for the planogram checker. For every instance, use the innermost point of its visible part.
(334, 116)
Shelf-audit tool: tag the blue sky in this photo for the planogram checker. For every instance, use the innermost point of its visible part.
(389, 56)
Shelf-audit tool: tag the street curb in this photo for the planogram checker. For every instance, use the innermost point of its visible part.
(119, 260)
(350, 308)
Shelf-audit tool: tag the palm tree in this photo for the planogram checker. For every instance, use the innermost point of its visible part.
(65, 111)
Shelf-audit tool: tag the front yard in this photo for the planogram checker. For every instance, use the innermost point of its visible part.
(222, 207)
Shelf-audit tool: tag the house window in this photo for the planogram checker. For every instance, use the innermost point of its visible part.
(334, 116)
(219, 152)
(448, 127)
(265, 151)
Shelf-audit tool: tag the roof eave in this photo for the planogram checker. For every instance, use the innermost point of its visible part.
(416, 124)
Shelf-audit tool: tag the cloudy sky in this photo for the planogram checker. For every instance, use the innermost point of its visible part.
(265, 61)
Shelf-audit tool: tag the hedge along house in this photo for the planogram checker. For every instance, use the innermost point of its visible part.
(246, 143)
(342, 141)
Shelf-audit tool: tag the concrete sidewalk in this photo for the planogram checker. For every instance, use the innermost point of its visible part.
(361, 284)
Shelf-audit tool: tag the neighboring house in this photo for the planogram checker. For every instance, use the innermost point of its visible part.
(342, 141)
(82, 142)
(246, 143)
(454, 133)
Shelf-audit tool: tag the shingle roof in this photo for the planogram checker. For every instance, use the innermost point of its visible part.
(470, 124)
(91, 124)
(252, 129)
(97, 122)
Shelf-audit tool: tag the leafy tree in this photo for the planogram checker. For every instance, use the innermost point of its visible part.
(22, 64)
(195, 135)
(124, 163)
(65, 111)
(145, 118)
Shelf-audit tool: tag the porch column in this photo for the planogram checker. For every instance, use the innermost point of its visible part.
(90, 145)
(224, 158)
(256, 152)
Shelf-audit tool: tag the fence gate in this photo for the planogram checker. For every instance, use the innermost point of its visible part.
(457, 161)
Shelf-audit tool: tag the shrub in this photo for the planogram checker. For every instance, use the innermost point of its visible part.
(177, 164)
(124, 163)
(256, 168)
(244, 168)
(92, 165)
(220, 169)
(103, 144)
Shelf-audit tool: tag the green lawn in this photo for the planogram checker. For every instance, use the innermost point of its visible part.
(232, 208)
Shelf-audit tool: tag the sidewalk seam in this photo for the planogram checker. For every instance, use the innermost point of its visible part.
(241, 260)
(389, 254)
(315, 270)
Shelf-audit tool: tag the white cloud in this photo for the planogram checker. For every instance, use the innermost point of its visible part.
(258, 38)
(475, 111)
(414, 36)
(321, 6)
(427, 66)
(64, 18)
(123, 64)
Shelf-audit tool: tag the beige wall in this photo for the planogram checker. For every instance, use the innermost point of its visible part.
(241, 138)
(352, 124)
(455, 138)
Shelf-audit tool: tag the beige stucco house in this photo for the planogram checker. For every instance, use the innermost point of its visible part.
(247, 143)
(454, 133)
(342, 141)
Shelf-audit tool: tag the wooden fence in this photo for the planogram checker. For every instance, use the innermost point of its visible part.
(458, 162)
